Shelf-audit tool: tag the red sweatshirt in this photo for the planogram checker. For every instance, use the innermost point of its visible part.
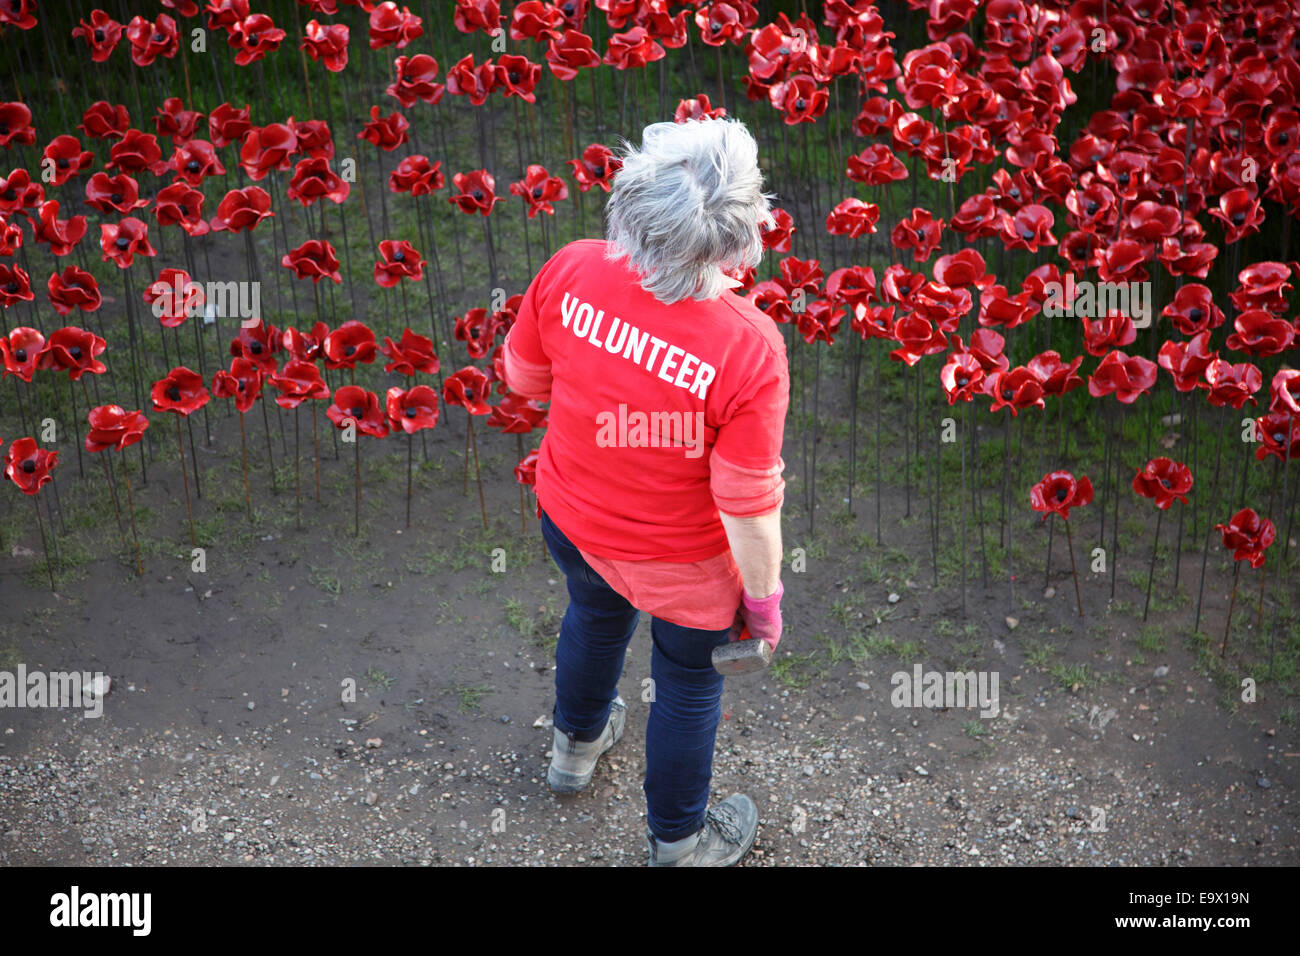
(660, 416)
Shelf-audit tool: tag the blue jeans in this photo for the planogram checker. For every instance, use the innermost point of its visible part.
(687, 692)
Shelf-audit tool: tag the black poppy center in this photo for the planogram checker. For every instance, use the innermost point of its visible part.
(478, 195)
(159, 38)
(1061, 493)
(29, 466)
(99, 36)
(193, 166)
(75, 352)
(1195, 314)
(116, 198)
(963, 382)
(411, 412)
(122, 242)
(357, 411)
(20, 355)
(349, 350)
(174, 393)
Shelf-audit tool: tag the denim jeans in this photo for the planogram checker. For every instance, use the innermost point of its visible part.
(687, 691)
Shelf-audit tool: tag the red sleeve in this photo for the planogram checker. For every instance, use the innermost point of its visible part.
(745, 466)
(528, 368)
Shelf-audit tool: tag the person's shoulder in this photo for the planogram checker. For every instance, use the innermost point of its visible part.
(757, 324)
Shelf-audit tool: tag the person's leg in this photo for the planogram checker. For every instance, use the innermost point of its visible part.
(682, 726)
(594, 635)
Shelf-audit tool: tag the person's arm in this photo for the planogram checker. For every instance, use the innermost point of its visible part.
(756, 547)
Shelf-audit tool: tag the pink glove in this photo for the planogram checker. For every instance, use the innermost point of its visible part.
(760, 617)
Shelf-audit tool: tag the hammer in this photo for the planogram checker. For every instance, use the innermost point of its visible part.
(743, 656)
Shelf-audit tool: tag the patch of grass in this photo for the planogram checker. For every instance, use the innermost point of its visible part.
(794, 670)
(469, 696)
(329, 583)
(1039, 654)
(975, 729)
(539, 627)
(379, 678)
(1070, 676)
(1151, 638)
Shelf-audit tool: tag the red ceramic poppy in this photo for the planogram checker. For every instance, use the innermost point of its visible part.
(777, 234)
(1029, 228)
(390, 26)
(267, 148)
(962, 269)
(313, 179)
(1186, 361)
(468, 388)
(962, 377)
(257, 342)
(1284, 392)
(416, 175)
(697, 108)
(1263, 285)
(100, 120)
(1271, 430)
(15, 285)
(539, 190)
(228, 124)
(1240, 213)
(73, 288)
(64, 158)
(21, 350)
(327, 44)
(254, 37)
(298, 381)
(243, 383)
(1246, 534)
(412, 409)
(181, 205)
(919, 232)
(1260, 333)
(136, 152)
(112, 426)
(853, 218)
(771, 298)
(18, 192)
(1192, 310)
(570, 52)
(350, 343)
(175, 121)
(800, 274)
(819, 321)
(118, 193)
(855, 286)
(62, 235)
(999, 308)
(721, 23)
(387, 133)
(314, 138)
(535, 20)
(398, 260)
(475, 82)
(478, 330)
(315, 259)
(181, 391)
(800, 99)
(475, 192)
(472, 15)
(120, 243)
(224, 14)
(632, 49)
(102, 34)
(356, 406)
(150, 40)
(1230, 384)
(11, 236)
(517, 76)
(516, 415)
(174, 296)
(977, 217)
(1113, 331)
(414, 80)
(1015, 388)
(194, 161)
(1163, 480)
(1058, 492)
(305, 346)
(28, 465)
(526, 470)
(1124, 376)
(1056, 377)
(916, 337)
(413, 353)
(73, 350)
(242, 209)
(596, 167)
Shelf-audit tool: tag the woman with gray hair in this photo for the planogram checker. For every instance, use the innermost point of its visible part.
(659, 477)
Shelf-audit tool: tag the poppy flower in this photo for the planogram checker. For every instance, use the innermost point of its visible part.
(315, 259)
(1015, 388)
(596, 167)
(517, 76)
(722, 23)
(852, 285)
(123, 241)
(257, 342)
(1260, 333)
(315, 140)
(242, 209)
(326, 44)
(916, 337)
(28, 465)
(476, 82)
(312, 179)
(516, 415)
(174, 296)
(1246, 534)
(819, 321)
(1230, 384)
(539, 189)
(414, 80)
(305, 346)
(181, 391)
(73, 350)
(228, 124)
(472, 15)
(181, 205)
(412, 409)
(771, 298)
(800, 98)
(534, 20)
(102, 34)
(99, 121)
(254, 36)
(468, 388)
(350, 343)
(1058, 492)
(355, 405)
(387, 133)
(999, 308)
(194, 161)
(1192, 310)
(570, 52)
(1186, 258)
(1284, 392)
(392, 27)
(1029, 228)
(224, 14)
(961, 377)
(298, 381)
(267, 148)
(526, 470)
(777, 233)
(11, 236)
(243, 383)
(118, 193)
(1263, 285)
(150, 40)
(398, 260)
(898, 282)
(942, 305)
(15, 285)
(416, 175)
(62, 235)
(1163, 480)
(112, 426)
(911, 133)
(1124, 376)
(1055, 377)
(919, 232)
(73, 288)
(977, 217)
(475, 192)
(175, 121)
(64, 158)
(21, 350)
(800, 274)
(961, 269)
(1186, 361)
(478, 330)
(697, 108)
(1272, 431)
(1113, 331)
(1240, 213)
(413, 353)
(136, 152)
(632, 49)
(853, 218)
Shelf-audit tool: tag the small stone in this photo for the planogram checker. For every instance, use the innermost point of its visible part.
(251, 705)
(1049, 592)
(1263, 783)
(542, 721)
(374, 743)
(1013, 623)
(893, 597)
(1161, 671)
(922, 771)
(808, 770)
(370, 799)
(97, 686)
(863, 685)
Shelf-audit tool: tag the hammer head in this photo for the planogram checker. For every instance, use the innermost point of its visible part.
(744, 656)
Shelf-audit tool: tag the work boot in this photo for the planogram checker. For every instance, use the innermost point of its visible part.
(727, 835)
(574, 761)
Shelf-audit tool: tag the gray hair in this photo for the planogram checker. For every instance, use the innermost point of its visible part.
(687, 206)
